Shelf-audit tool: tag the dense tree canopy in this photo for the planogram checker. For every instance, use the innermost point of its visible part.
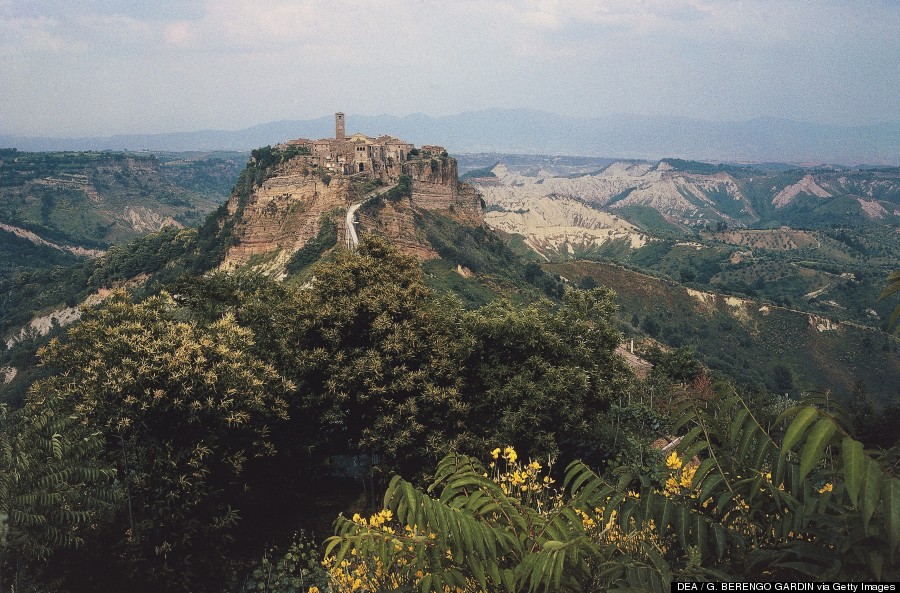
(183, 408)
(540, 367)
(183, 433)
(225, 397)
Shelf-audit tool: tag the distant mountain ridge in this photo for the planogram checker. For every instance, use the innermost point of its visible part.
(539, 132)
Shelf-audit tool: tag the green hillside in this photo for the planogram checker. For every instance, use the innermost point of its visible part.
(747, 340)
(822, 197)
(96, 199)
(208, 427)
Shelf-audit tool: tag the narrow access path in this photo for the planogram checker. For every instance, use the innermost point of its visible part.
(350, 224)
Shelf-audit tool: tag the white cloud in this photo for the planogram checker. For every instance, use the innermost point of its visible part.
(184, 64)
(40, 35)
(177, 33)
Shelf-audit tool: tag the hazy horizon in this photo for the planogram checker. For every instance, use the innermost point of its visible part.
(78, 68)
(329, 116)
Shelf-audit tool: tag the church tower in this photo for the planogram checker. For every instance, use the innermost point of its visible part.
(339, 125)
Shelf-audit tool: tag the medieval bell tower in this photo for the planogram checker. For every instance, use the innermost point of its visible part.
(339, 125)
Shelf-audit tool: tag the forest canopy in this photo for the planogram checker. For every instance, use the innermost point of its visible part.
(179, 442)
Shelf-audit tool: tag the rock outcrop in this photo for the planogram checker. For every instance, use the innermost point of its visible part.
(286, 211)
(436, 187)
(807, 185)
(398, 222)
(283, 214)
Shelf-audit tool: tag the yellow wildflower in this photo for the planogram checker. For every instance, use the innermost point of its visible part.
(672, 487)
(687, 476)
(673, 461)
(826, 488)
(495, 453)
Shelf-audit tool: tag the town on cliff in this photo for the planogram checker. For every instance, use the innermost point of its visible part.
(340, 180)
(381, 157)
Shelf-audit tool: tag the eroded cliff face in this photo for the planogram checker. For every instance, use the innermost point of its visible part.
(397, 221)
(283, 214)
(435, 187)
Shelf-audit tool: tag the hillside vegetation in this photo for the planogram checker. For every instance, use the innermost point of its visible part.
(770, 274)
(186, 435)
(750, 341)
(201, 431)
(95, 199)
(367, 361)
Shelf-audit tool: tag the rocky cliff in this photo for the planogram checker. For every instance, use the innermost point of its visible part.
(283, 214)
(287, 209)
(435, 187)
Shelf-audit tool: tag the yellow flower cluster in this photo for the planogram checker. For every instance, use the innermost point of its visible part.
(380, 520)
(509, 454)
(673, 461)
(681, 478)
(525, 481)
(356, 574)
(346, 578)
(609, 531)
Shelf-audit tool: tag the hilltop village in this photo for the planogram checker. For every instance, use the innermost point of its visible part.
(331, 178)
(377, 158)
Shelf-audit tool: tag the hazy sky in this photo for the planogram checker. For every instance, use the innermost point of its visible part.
(98, 67)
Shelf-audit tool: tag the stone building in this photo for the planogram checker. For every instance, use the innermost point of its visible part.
(433, 149)
(380, 157)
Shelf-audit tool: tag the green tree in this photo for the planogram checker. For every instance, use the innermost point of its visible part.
(54, 489)
(375, 354)
(783, 378)
(183, 408)
(543, 376)
(677, 364)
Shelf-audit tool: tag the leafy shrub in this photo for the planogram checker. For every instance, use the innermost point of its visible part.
(734, 504)
(287, 570)
(403, 189)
